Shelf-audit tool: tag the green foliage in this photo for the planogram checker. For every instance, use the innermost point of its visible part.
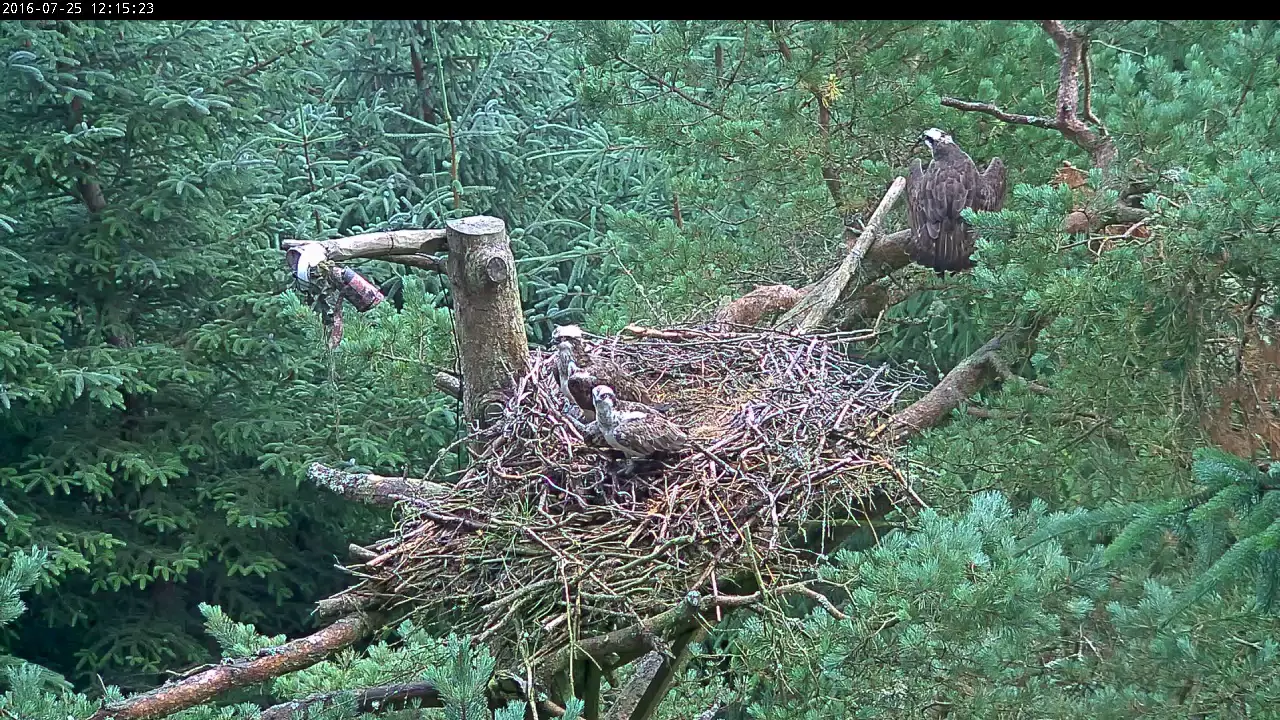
(463, 680)
(962, 613)
(492, 126)
(161, 401)
(149, 370)
(160, 397)
(1232, 523)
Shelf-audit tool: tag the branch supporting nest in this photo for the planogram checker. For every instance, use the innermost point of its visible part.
(268, 664)
(368, 700)
(966, 379)
(371, 489)
(751, 308)
(632, 694)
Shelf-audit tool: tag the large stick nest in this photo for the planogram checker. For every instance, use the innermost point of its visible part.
(542, 528)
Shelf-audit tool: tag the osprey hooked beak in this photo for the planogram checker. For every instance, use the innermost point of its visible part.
(932, 138)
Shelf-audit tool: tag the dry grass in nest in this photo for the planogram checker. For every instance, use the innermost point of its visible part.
(541, 534)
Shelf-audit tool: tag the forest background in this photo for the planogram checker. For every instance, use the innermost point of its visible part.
(1102, 536)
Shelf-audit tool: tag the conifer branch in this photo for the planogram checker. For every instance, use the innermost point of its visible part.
(264, 64)
(1071, 65)
(420, 77)
(267, 665)
(670, 86)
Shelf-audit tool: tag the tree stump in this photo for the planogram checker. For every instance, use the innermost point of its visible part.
(492, 348)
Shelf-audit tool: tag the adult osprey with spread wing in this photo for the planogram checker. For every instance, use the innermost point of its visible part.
(936, 195)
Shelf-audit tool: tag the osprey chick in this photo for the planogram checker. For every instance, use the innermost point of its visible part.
(576, 381)
(635, 430)
(936, 195)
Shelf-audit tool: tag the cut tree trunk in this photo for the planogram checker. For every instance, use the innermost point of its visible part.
(492, 347)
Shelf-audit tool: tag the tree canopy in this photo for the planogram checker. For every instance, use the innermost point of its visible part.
(1096, 529)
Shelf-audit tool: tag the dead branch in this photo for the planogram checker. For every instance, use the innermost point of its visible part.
(345, 604)
(959, 385)
(634, 691)
(373, 489)
(360, 554)
(995, 112)
(964, 381)
(1067, 120)
(449, 384)
(369, 700)
(751, 308)
(674, 335)
(493, 350)
(267, 665)
(417, 260)
(376, 245)
(813, 309)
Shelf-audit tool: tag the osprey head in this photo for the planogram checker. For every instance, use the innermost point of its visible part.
(602, 394)
(933, 137)
(561, 333)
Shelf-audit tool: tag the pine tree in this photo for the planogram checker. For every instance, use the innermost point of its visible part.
(147, 366)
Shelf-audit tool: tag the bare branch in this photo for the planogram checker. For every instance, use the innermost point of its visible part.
(269, 664)
(1067, 120)
(637, 687)
(376, 245)
(963, 382)
(449, 384)
(993, 111)
(369, 700)
(960, 384)
(669, 86)
(417, 260)
(343, 604)
(751, 308)
(360, 554)
(813, 309)
(373, 489)
(264, 64)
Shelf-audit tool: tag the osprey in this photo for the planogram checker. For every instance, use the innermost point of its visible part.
(936, 195)
(576, 381)
(562, 334)
(635, 430)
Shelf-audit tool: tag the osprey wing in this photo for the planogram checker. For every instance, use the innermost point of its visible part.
(625, 386)
(947, 193)
(580, 386)
(651, 434)
(925, 234)
(991, 187)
